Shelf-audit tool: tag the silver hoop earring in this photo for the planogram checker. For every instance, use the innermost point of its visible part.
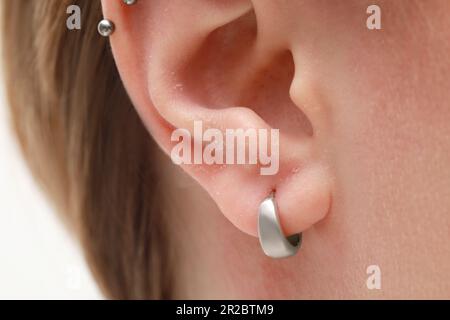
(273, 242)
(106, 28)
(129, 2)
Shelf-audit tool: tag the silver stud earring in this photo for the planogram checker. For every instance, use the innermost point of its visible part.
(106, 28)
(271, 237)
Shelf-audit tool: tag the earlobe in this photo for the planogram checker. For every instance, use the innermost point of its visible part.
(217, 73)
(305, 198)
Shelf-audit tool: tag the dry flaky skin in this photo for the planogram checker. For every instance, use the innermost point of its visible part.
(85, 144)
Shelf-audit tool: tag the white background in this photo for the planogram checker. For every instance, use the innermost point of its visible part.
(38, 258)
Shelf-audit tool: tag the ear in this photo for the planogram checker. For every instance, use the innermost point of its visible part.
(226, 64)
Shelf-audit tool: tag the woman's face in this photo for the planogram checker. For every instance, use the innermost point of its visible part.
(365, 115)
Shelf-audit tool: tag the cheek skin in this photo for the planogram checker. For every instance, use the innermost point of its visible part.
(391, 138)
(387, 97)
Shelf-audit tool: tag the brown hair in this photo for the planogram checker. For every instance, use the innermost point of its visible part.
(85, 143)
